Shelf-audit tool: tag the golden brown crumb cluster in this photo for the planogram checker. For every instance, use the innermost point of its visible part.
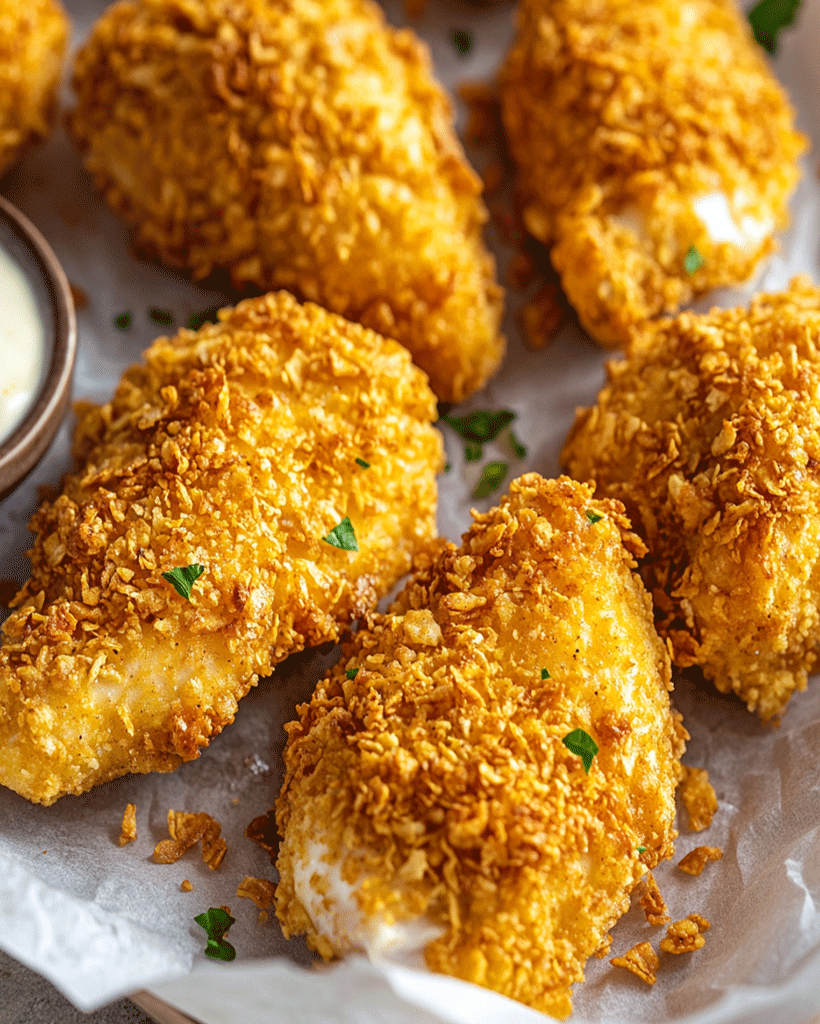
(302, 146)
(641, 960)
(709, 432)
(234, 448)
(653, 903)
(186, 830)
(635, 123)
(685, 936)
(434, 784)
(699, 797)
(128, 831)
(261, 891)
(696, 860)
(33, 36)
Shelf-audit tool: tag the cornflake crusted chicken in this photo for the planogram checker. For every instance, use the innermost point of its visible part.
(33, 35)
(656, 150)
(709, 433)
(299, 145)
(430, 801)
(641, 960)
(233, 449)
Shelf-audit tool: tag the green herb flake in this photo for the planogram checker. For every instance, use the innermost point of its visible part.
(582, 744)
(363, 463)
(473, 452)
(545, 673)
(769, 17)
(205, 316)
(123, 321)
(492, 476)
(216, 923)
(343, 536)
(641, 849)
(519, 449)
(351, 673)
(183, 579)
(160, 316)
(447, 467)
(593, 517)
(693, 260)
(462, 41)
(482, 425)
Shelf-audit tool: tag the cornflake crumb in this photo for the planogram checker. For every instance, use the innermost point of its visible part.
(698, 797)
(128, 832)
(186, 886)
(696, 860)
(685, 936)
(654, 905)
(259, 890)
(641, 960)
(604, 948)
(186, 830)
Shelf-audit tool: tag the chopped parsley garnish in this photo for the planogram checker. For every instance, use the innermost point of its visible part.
(545, 673)
(351, 673)
(482, 425)
(160, 316)
(593, 517)
(205, 316)
(473, 452)
(693, 260)
(183, 579)
(447, 467)
(519, 449)
(641, 849)
(582, 744)
(463, 41)
(363, 463)
(769, 17)
(492, 476)
(216, 923)
(342, 536)
(124, 320)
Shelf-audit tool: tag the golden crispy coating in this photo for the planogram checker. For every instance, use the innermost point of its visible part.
(641, 960)
(233, 448)
(33, 35)
(709, 432)
(430, 800)
(643, 128)
(300, 145)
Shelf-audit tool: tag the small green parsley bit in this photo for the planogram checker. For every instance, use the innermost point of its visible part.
(545, 673)
(641, 849)
(216, 923)
(183, 579)
(519, 449)
(769, 17)
(160, 316)
(593, 517)
(351, 673)
(462, 41)
(123, 321)
(447, 467)
(480, 426)
(205, 316)
(582, 744)
(693, 260)
(343, 536)
(492, 476)
(363, 463)
(473, 452)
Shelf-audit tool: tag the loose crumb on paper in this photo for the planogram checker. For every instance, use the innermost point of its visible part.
(696, 860)
(128, 832)
(186, 886)
(187, 829)
(698, 797)
(653, 904)
(641, 960)
(685, 936)
(259, 890)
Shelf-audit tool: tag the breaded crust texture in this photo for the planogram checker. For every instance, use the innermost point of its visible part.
(429, 800)
(33, 35)
(709, 433)
(232, 448)
(301, 145)
(643, 129)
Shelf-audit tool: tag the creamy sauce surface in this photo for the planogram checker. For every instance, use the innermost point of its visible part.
(22, 346)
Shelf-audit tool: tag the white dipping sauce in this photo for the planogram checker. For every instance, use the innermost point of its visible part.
(22, 346)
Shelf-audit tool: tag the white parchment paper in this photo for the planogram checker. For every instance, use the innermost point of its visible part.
(100, 921)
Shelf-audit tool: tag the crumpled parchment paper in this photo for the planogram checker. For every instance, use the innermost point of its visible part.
(100, 921)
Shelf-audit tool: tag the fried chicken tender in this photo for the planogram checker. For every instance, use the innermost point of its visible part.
(233, 448)
(709, 433)
(33, 36)
(298, 145)
(429, 799)
(656, 151)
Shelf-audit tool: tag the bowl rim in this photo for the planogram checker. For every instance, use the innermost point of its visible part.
(24, 448)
